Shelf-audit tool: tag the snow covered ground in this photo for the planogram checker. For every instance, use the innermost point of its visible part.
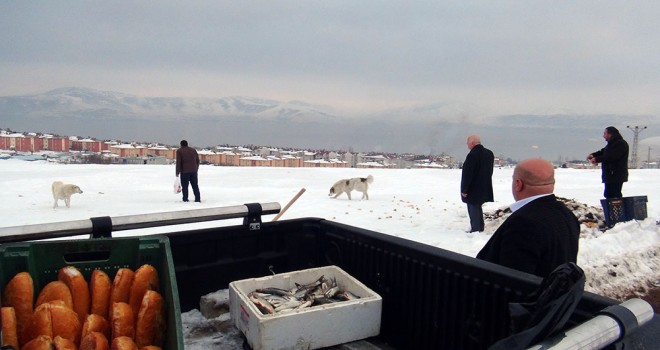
(418, 204)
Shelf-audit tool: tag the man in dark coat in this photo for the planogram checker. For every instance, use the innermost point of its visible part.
(541, 233)
(614, 162)
(477, 181)
(187, 164)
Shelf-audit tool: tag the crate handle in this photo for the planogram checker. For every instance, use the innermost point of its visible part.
(82, 257)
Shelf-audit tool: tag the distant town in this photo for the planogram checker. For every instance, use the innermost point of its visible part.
(74, 149)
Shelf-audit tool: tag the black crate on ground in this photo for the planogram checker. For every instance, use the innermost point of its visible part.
(614, 210)
(635, 207)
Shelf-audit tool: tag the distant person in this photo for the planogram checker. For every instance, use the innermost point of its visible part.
(187, 165)
(477, 181)
(541, 233)
(613, 160)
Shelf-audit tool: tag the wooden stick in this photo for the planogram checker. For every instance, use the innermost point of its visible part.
(302, 190)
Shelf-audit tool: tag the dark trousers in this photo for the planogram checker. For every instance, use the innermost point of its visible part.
(613, 190)
(189, 178)
(476, 214)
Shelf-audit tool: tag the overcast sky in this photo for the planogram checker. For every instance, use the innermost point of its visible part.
(494, 57)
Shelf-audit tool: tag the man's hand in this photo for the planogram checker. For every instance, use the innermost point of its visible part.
(464, 195)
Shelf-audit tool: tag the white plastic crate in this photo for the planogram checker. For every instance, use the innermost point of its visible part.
(309, 328)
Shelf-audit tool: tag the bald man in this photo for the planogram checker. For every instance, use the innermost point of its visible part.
(477, 181)
(541, 233)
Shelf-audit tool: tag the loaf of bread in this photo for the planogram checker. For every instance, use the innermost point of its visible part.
(100, 287)
(121, 288)
(9, 332)
(54, 319)
(150, 327)
(123, 343)
(95, 323)
(64, 344)
(94, 341)
(122, 321)
(19, 294)
(42, 342)
(145, 278)
(151, 347)
(79, 288)
(55, 290)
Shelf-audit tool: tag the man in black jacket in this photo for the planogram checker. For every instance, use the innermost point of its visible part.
(477, 181)
(541, 233)
(614, 162)
(187, 164)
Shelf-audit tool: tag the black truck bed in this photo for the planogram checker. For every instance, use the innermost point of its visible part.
(431, 298)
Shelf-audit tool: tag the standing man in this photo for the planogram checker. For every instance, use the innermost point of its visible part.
(613, 160)
(187, 164)
(541, 233)
(477, 181)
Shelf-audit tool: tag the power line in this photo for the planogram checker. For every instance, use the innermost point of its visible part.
(633, 159)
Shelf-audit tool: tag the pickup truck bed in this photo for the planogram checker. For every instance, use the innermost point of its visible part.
(432, 298)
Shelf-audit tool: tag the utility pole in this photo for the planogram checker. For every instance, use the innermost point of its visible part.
(636, 130)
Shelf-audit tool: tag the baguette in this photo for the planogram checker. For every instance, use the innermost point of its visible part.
(19, 294)
(95, 323)
(9, 333)
(79, 288)
(99, 288)
(65, 322)
(54, 319)
(40, 325)
(42, 342)
(150, 327)
(56, 290)
(122, 322)
(145, 278)
(123, 343)
(121, 288)
(94, 341)
(64, 344)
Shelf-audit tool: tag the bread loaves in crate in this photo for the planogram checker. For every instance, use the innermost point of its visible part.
(126, 312)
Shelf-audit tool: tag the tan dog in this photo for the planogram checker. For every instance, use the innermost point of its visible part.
(64, 191)
(360, 184)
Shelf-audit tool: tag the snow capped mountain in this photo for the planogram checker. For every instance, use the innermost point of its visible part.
(76, 101)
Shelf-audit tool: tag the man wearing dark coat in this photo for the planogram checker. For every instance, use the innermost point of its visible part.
(477, 181)
(187, 164)
(541, 233)
(613, 160)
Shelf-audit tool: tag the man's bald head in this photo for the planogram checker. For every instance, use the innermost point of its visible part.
(532, 177)
(473, 140)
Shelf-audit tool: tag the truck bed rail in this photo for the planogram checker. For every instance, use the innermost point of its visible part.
(105, 225)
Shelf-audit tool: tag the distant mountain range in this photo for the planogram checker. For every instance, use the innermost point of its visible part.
(428, 129)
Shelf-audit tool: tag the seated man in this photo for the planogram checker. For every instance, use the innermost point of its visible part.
(541, 233)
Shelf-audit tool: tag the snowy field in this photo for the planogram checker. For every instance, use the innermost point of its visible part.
(417, 204)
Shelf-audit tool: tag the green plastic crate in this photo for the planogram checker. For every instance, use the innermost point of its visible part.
(43, 260)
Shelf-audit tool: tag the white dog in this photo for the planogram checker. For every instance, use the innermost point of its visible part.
(360, 184)
(64, 191)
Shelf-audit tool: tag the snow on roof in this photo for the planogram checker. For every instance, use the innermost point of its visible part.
(254, 158)
(206, 152)
(128, 145)
(371, 164)
(431, 165)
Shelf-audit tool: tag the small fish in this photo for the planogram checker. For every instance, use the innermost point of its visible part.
(276, 291)
(265, 307)
(345, 295)
(289, 305)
